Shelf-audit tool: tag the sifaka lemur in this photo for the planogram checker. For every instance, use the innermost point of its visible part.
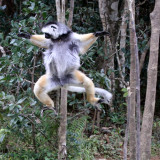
(62, 61)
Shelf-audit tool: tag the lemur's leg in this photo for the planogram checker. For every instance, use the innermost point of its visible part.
(89, 86)
(41, 89)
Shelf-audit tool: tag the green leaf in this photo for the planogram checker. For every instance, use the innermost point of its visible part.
(71, 103)
(32, 102)
(44, 14)
(20, 64)
(32, 19)
(2, 137)
(1, 117)
(10, 115)
(1, 103)
(32, 6)
(1, 36)
(1, 77)
(10, 98)
(19, 106)
(20, 118)
(21, 100)
(30, 49)
(124, 90)
(12, 41)
(125, 94)
(11, 107)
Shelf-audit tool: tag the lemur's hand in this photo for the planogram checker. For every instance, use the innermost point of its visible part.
(101, 33)
(24, 35)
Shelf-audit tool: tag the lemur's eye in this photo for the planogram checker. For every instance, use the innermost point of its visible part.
(53, 27)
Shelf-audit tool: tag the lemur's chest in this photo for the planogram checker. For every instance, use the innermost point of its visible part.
(62, 58)
(64, 52)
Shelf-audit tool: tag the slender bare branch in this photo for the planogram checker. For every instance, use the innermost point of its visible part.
(142, 59)
(123, 30)
(133, 30)
(127, 125)
(63, 11)
(33, 69)
(58, 8)
(62, 151)
(71, 13)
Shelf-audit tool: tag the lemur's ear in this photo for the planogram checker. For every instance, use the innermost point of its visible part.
(24, 35)
(101, 33)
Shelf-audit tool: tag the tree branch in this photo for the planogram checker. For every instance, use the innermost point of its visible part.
(71, 13)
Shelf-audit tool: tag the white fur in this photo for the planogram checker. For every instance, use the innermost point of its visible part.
(107, 96)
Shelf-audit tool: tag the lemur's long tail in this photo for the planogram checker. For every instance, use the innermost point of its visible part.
(107, 96)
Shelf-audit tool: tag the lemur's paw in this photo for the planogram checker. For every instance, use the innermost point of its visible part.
(101, 33)
(108, 101)
(100, 101)
(48, 108)
(24, 35)
(93, 100)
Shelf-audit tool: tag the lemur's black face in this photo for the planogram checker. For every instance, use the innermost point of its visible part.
(53, 30)
(47, 35)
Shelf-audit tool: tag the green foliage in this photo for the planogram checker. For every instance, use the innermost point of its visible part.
(77, 139)
(125, 92)
(20, 112)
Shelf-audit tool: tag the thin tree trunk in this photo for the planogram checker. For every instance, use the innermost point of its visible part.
(63, 11)
(70, 20)
(58, 8)
(132, 126)
(34, 136)
(58, 95)
(62, 151)
(133, 29)
(127, 126)
(148, 114)
(142, 59)
(107, 8)
(94, 119)
(98, 119)
(123, 30)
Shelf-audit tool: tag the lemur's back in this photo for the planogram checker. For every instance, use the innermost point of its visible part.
(62, 57)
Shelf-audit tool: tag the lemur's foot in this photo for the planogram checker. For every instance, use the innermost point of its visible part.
(48, 108)
(94, 100)
(104, 101)
(100, 101)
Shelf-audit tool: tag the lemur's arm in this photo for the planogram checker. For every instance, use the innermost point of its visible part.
(38, 40)
(86, 40)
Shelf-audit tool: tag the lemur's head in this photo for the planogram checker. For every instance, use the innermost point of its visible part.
(53, 30)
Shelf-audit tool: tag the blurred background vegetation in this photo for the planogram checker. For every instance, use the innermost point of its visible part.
(27, 134)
